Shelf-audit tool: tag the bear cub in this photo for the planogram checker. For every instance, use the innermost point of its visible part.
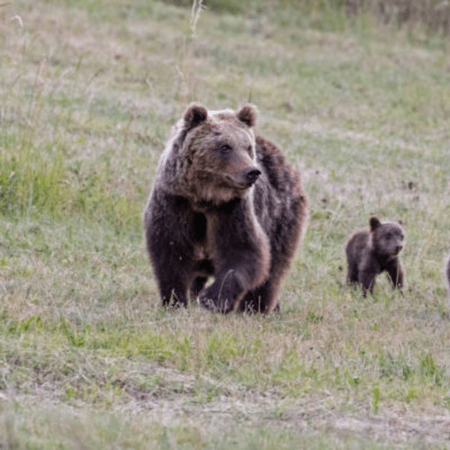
(373, 251)
(224, 204)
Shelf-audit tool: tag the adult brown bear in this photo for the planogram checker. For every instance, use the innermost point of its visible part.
(223, 204)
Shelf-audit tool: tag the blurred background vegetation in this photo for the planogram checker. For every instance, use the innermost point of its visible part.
(430, 16)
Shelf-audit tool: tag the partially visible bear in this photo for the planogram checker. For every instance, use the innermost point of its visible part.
(223, 204)
(447, 275)
(371, 252)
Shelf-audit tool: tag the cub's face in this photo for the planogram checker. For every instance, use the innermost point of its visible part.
(221, 156)
(388, 238)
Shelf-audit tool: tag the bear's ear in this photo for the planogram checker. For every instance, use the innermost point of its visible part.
(399, 221)
(374, 223)
(248, 115)
(195, 115)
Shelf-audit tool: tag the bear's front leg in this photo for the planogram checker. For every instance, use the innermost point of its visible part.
(395, 271)
(172, 273)
(173, 289)
(167, 221)
(263, 299)
(241, 256)
(223, 294)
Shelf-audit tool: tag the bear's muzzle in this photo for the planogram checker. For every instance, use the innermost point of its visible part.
(251, 175)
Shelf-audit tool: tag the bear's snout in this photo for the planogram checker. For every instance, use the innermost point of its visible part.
(398, 248)
(251, 175)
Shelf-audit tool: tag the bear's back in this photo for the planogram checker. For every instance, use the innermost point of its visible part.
(279, 200)
(357, 245)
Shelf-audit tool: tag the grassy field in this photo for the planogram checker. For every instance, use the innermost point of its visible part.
(88, 359)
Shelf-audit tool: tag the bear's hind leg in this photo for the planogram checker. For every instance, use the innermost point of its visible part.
(352, 274)
(367, 279)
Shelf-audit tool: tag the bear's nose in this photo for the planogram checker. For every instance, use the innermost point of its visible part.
(399, 247)
(252, 175)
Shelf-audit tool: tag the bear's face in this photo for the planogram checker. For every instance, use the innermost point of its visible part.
(219, 150)
(387, 237)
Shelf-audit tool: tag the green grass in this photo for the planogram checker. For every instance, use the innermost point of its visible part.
(88, 359)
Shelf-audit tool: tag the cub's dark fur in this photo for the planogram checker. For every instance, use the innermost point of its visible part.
(373, 251)
(223, 204)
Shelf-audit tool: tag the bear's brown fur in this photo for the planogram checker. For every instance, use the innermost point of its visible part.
(373, 251)
(223, 204)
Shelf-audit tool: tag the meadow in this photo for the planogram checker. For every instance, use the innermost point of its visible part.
(88, 358)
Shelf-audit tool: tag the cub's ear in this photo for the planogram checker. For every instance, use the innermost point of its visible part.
(248, 115)
(195, 115)
(374, 223)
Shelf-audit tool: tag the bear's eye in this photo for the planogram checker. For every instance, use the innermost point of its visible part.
(388, 236)
(225, 148)
(249, 150)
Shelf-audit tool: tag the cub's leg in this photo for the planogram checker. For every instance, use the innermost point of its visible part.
(352, 273)
(395, 272)
(367, 279)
